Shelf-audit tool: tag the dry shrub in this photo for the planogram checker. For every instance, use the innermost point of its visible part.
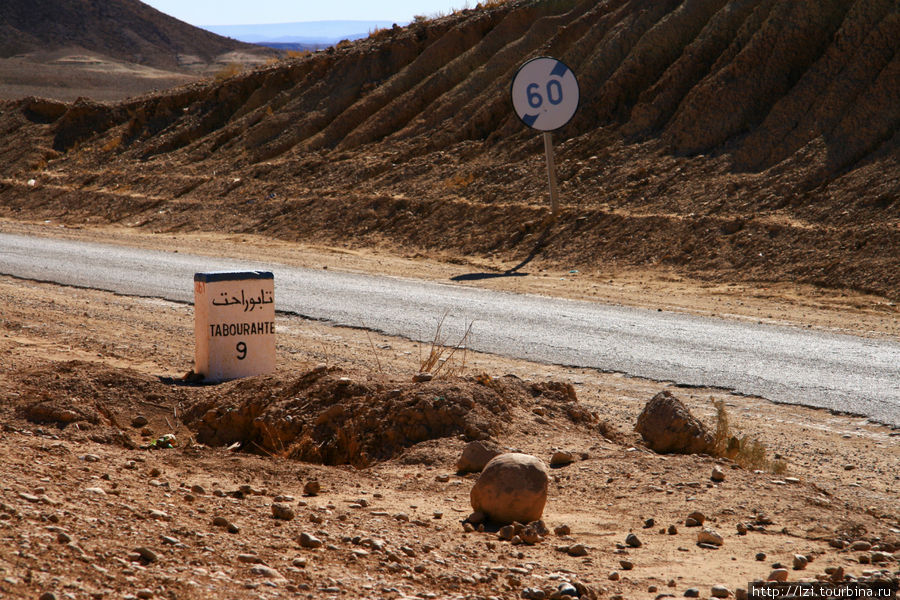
(229, 71)
(298, 53)
(745, 451)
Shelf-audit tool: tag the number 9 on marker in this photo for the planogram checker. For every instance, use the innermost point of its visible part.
(545, 93)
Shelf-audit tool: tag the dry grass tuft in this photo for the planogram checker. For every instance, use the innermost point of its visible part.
(440, 355)
(745, 451)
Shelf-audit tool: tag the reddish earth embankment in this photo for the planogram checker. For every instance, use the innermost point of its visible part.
(731, 140)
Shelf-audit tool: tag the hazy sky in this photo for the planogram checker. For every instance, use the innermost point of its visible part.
(256, 12)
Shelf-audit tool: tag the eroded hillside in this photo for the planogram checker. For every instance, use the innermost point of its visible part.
(729, 139)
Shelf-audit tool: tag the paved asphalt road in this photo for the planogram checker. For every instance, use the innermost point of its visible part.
(783, 364)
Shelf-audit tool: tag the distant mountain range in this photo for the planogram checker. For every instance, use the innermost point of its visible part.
(307, 34)
(123, 29)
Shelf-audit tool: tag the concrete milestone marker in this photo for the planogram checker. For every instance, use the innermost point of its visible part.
(234, 324)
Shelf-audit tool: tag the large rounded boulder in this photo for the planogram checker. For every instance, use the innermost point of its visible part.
(512, 487)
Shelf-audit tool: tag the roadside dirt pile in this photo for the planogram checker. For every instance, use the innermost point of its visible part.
(324, 417)
(321, 417)
(725, 139)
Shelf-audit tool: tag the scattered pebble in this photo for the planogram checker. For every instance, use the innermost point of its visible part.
(709, 536)
(309, 541)
(282, 511)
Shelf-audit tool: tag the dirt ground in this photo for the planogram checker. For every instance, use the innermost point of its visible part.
(90, 510)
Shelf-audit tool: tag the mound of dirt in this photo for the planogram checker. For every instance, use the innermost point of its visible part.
(726, 139)
(125, 29)
(324, 417)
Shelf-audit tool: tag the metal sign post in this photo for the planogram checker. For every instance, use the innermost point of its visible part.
(551, 172)
(545, 96)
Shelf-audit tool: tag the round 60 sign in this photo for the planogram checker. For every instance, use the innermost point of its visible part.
(545, 93)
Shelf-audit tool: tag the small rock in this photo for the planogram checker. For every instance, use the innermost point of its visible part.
(144, 594)
(249, 558)
(534, 594)
(741, 529)
(139, 421)
(861, 546)
(760, 556)
(309, 541)
(476, 455)
(613, 576)
(565, 589)
(778, 575)
(47, 596)
(880, 557)
(422, 377)
(265, 571)
(717, 475)
(562, 530)
(626, 565)
(282, 511)
(577, 550)
(312, 487)
(633, 541)
(672, 530)
(443, 478)
(692, 593)
(147, 554)
(530, 535)
(63, 538)
(697, 517)
(720, 591)
(476, 518)
(709, 536)
(95, 490)
(800, 562)
(90, 458)
(560, 458)
(160, 515)
(649, 523)
(299, 562)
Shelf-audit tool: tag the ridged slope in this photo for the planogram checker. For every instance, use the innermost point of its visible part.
(727, 138)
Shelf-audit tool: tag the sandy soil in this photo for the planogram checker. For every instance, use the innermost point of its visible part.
(150, 532)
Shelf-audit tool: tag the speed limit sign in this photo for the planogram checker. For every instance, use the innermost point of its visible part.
(545, 96)
(545, 93)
